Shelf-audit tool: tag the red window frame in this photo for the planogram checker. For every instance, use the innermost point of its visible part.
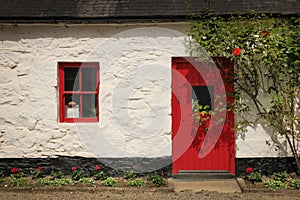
(63, 93)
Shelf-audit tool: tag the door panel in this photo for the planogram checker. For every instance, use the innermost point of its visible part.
(208, 144)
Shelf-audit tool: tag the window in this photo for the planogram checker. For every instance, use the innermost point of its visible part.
(204, 95)
(78, 91)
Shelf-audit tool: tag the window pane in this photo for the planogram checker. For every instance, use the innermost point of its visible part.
(204, 95)
(71, 79)
(89, 105)
(89, 81)
(72, 105)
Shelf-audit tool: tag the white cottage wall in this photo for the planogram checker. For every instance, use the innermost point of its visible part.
(135, 80)
(135, 91)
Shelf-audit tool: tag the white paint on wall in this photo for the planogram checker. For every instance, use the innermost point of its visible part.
(254, 144)
(135, 94)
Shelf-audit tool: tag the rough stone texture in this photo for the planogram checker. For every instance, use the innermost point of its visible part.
(221, 185)
(135, 97)
(162, 165)
(87, 165)
(253, 143)
(135, 94)
(267, 166)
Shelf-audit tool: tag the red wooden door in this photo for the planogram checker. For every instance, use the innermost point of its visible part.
(208, 145)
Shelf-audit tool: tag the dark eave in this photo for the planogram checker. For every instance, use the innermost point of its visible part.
(119, 11)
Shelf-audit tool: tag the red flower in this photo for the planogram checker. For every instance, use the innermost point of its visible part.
(73, 168)
(249, 169)
(264, 33)
(40, 168)
(97, 167)
(236, 51)
(14, 170)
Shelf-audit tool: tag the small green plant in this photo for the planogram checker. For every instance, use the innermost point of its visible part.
(281, 176)
(136, 182)
(56, 181)
(2, 174)
(76, 174)
(201, 113)
(156, 179)
(2, 177)
(2, 180)
(254, 177)
(38, 173)
(86, 181)
(129, 175)
(16, 178)
(62, 181)
(57, 175)
(100, 176)
(275, 184)
(45, 182)
(295, 184)
(111, 182)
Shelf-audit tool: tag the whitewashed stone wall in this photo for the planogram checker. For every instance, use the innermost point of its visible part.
(135, 91)
(135, 96)
(254, 144)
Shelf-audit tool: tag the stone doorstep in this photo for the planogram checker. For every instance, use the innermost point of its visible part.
(198, 180)
(203, 175)
(217, 185)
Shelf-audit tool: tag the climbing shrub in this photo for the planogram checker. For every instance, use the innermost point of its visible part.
(265, 50)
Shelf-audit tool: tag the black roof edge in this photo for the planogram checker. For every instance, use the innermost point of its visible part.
(119, 20)
(92, 20)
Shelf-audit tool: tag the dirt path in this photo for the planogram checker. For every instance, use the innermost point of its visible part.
(143, 195)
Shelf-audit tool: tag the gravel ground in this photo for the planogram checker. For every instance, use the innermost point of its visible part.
(128, 194)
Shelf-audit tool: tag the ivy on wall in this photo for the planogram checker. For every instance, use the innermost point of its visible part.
(265, 50)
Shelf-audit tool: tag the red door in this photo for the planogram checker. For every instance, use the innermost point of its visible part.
(209, 143)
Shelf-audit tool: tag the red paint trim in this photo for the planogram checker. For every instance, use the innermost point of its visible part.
(61, 96)
(62, 93)
(85, 120)
(189, 160)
